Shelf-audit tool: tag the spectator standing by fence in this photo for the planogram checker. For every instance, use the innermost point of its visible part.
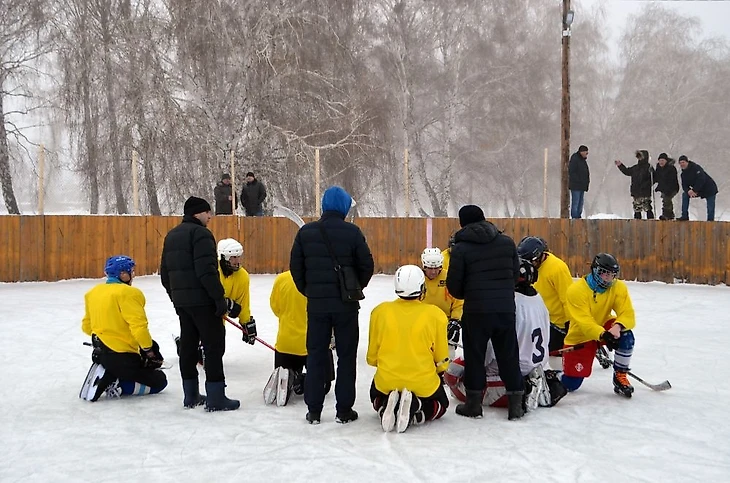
(696, 183)
(665, 177)
(641, 182)
(223, 193)
(253, 196)
(579, 177)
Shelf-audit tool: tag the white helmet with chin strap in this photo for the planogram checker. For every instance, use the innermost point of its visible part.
(229, 247)
(409, 281)
(432, 258)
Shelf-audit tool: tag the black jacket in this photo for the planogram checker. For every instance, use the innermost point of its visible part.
(579, 176)
(695, 178)
(313, 269)
(189, 265)
(641, 177)
(223, 206)
(483, 270)
(253, 195)
(666, 178)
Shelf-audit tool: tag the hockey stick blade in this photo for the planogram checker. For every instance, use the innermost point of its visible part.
(662, 386)
(288, 213)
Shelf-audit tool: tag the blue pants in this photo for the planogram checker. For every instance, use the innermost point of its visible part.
(576, 203)
(710, 206)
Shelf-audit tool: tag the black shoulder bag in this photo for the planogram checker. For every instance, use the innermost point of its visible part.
(350, 289)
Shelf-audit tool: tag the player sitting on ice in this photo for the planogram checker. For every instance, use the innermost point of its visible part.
(125, 358)
(290, 356)
(408, 346)
(432, 260)
(591, 301)
(532, 324)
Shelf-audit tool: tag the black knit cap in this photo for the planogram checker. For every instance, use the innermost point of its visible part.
(583, 148)
(195, 205)
(683, 158)
(663, 156)
(250, 173)
(470, 214)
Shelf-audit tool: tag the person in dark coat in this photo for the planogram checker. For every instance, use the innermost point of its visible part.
(667, 184)
(642, 175)
(579, 177)
(314, 274)
(189, 273)
(696, 183)
(253, 196)
(483, 271)
(223, 193)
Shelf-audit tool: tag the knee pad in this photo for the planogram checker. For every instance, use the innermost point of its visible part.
(626, 341)
(571, 383)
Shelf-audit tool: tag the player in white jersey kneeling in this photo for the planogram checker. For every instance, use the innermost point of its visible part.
(532, 323)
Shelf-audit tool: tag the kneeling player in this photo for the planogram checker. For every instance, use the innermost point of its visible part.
(126, 360)
(290, 356)
(532, 324)
(408, 346)
(591, 301)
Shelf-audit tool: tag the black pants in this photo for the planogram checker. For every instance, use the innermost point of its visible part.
(433, 406)
(127, 366)
(477, 330)
(298, 363)
(557, 337)
(319, 334)
(199, 324)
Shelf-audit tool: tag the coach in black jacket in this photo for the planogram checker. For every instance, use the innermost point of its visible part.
(189, 273)
(313, 271)
(483, 270)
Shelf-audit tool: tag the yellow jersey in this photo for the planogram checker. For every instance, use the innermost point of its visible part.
(437, 294)
(590, 310)
(114, 311)
(408, 346)
(236, 287)
(290, 307)
(553, 280)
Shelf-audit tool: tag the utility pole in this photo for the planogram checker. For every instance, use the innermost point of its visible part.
(565, 112)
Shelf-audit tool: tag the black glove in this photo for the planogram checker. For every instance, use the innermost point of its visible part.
(610, 341)
(233, 308)
(221, 307)
(151, 357)
(249, 331)
(453, 331)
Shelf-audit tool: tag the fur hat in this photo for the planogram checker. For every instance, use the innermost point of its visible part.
(195, 205)
(470, 214)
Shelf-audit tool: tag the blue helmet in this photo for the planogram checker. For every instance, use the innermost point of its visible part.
(117, 264)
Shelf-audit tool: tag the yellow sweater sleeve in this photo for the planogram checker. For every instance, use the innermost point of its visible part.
(132, 308)
(374, 337)
(581, 317)
(441, 344)
(623, 307)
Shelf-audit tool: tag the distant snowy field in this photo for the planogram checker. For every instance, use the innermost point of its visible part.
(593, 435)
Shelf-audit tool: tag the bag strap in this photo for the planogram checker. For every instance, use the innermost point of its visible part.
(329, 247)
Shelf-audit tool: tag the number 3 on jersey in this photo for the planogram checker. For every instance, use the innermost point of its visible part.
(537, 340)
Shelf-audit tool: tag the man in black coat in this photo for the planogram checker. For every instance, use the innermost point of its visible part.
(579, 177)
(483, 271)
(665, 177)
(253, 196)
(313, 270)
(189, 273)
(223, 193)
(641, 182)
(696, 183)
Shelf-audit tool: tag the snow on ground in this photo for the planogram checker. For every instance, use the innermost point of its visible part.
(592, 435)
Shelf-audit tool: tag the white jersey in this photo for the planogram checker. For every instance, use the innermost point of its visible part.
(532, 323)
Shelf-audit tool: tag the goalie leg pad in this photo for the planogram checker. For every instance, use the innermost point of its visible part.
(271, 387)
(283, 386)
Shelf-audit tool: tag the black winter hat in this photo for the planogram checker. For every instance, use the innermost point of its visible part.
(663, 156)
(195, 205)
(250, 173)
(683, 158)
(582, 148)
(225, 176)
(470, 214)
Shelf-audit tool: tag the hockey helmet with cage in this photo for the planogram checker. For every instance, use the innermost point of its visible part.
(528, 273)
(604, 263)
(409, 281)
(531, 248)
(432, 258)
(117, 264)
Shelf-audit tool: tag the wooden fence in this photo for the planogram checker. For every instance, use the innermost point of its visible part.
(49, 248)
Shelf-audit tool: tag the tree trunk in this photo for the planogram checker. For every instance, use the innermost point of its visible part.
(89, 125)
(6, 178)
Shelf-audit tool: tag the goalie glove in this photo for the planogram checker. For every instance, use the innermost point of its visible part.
(249, 331)
(151, 357)
(453, 331)
(233, 309)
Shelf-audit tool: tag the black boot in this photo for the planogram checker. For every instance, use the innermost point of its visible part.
(472, 408)
(192, 394)
(516, 405)
(637, 215)
(649, 215)
(217, 400)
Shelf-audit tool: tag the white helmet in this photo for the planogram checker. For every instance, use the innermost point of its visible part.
(432, 258)
(228, 247)
(409, 281)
